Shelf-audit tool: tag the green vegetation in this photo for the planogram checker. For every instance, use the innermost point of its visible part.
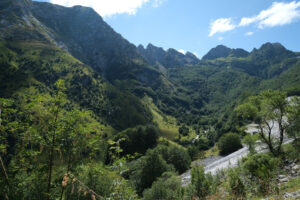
(167, 187)
(229, 143)
(200, 182)
(266, 109)
(88, 116)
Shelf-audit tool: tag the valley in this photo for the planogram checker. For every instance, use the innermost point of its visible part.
(85, 114)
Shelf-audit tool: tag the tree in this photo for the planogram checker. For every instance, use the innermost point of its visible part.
(4, 103)
(294, 118)
(138, 139)
(269, 110)
(55, 109)
(250, 141)
(175, 155)
(236, 185)
(229, 143)
(261, 168)
(147, 169)
(183, 130)
(167, 187)
(47, 113)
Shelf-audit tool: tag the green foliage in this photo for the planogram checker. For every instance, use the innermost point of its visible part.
(200, 182)
(229, 143)
(261, 168)
(236, 185)
(176, 156)
(103, 182)
(250, 141)
(167, 187)
(193, 152)
(267, 108)
(138, 139)
(39, 65)
(147, 169)
(183, 130)
(294, 118)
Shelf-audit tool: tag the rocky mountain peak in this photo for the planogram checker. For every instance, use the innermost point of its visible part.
(222, 51)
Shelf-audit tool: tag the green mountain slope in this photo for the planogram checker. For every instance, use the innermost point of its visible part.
(42, 42)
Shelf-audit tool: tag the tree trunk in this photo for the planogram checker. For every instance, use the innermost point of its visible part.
(281, 131)
(68, 170)
(50, 166)
(267, 141)
(1, 161)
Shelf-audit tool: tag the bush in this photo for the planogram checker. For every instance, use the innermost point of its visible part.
(175, 155)
(193, 152)
(229, 143)
(147, 169)
(183, 130)
(167, 187)
(200, 182)
(138, 139)
(261, 168)
(236, 185)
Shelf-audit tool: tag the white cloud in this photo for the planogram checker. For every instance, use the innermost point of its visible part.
(108, 8)
(249, 33)
(181, 51)
(279, 14)
(220, 38)
(221, 25)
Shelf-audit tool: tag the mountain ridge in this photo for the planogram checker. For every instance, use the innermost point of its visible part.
(180, 85)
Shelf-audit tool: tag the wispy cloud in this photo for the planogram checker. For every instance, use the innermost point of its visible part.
(221, 25)
(108, 8)
(220, 38)
(279, 14)
(249, 33)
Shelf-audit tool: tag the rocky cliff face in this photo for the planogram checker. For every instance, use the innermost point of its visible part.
(222, 51)
(81, 32)
(163, 60)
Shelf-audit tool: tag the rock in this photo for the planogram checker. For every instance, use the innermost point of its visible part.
(283, 180)
(292, 195)
(281, 176)
(296, 167)
(292, 165)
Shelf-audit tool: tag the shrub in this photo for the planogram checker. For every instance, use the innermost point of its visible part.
(193, 152)
(236, 185)
(167, 187)
(200, 182)
(183, 130)
(229, 143)
(261, 168)
(175, 155)
(138, 139)
(147, 169)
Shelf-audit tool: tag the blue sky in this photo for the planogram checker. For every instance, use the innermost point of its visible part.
(199, 25)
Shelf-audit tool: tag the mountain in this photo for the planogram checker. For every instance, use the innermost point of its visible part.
(37, 50)
(222, 51)
(163, 60)
(125, 85)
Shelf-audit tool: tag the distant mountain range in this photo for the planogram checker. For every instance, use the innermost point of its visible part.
(41, 42)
